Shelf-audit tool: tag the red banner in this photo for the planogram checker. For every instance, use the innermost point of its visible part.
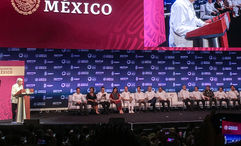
(233, 128)
(78, 24)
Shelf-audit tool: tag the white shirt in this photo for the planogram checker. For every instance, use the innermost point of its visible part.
(182, 20)
(197, 94)
(15, 89)
(126, 95)
(102, 98)
(184, 94)
(79, 98)
(162, 95)
(233, 94)
(210, 8)
(150, 95)
(221, 94)
(139, 96)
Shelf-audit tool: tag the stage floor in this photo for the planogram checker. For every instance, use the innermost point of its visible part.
(136, 118)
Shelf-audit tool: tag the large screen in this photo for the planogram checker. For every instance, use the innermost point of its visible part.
(231, 131)
(198, 26)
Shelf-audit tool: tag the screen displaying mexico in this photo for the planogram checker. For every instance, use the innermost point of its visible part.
(82, 24)
(202, 23)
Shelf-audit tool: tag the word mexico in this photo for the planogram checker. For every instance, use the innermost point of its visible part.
(71, 7)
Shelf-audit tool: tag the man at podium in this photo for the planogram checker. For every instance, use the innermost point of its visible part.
(16, 104)
(183, 19)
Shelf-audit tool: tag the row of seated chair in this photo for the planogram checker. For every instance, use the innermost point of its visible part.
(175, 102)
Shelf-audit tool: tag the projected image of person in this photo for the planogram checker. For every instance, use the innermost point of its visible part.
(80, 100)
(116, 99)
(15, 102)
(210, 9)
(92, 99)
(183, 19)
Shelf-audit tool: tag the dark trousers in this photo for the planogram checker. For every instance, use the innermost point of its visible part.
(140, 102)
(234, 101)
(223, 100)
(105, 105)
(188, 100)
(202, 101)
(153, 102)
(14, 111)
(83, 107)
(163, 103)
(212, 100)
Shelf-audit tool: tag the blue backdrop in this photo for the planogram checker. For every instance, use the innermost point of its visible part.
(55, 73)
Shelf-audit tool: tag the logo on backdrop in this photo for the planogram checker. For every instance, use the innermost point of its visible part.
(25, 7)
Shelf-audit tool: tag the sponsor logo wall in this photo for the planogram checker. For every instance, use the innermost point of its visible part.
(55, 73)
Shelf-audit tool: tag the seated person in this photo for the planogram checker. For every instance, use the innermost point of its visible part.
(150, 97)
(92, 99)
(219, 5)
(140, 97)
(185, 95)
(197, 96)
(210, 9)
(162, 97)
(236, 7)
(80, 100)
(222, 96)
(103, 99)
(234, 96)
(209, 95)
(128, 99)
(116, 99)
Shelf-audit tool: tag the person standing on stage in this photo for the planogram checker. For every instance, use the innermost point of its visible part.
(150, 97)
(234, 96)
(92, 99)
(128, 99)
(209, 95)
(80, 100)
(116, 99)
(162, 97)
(185, 95)
(103, 99)
(222, 96)
(183, 19)
(140, 98)
(197, 96)
(14, 100)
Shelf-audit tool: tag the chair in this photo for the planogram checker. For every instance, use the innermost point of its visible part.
(203, 13)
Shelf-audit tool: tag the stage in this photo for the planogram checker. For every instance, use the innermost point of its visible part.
(74, 118)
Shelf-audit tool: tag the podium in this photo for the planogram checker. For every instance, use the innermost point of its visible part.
(25, 94)
(214, 34)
